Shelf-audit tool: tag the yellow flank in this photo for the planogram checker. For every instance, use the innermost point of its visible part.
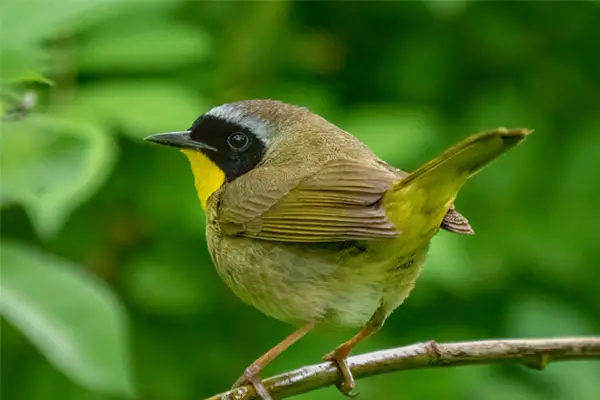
(208, 177)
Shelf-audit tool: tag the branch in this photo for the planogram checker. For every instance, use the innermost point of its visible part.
(533, 353)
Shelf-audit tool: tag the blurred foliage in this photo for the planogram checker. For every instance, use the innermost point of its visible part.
(138, 304)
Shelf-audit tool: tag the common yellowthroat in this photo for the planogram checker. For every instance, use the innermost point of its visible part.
(307, 224)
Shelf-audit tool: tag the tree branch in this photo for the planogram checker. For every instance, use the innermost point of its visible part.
(533, 353)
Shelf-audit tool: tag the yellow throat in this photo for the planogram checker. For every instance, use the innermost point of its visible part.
(208, 177)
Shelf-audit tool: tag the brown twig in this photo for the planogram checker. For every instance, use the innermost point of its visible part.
(533, 353)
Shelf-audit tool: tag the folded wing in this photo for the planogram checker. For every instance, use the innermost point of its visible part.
(340, 202)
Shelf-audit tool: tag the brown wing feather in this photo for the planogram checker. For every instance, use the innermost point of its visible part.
(340, 202)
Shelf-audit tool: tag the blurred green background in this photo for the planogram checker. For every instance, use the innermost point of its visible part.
(107, 286)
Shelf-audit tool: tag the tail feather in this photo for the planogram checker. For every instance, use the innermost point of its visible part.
(468, 157)
(428, 193)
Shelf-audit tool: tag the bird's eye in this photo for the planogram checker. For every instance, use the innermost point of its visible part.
(238, 141)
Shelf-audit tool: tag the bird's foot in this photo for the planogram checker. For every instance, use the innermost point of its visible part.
(251, 377)
(347, 384)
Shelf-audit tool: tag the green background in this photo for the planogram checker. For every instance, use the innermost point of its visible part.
(107, 286)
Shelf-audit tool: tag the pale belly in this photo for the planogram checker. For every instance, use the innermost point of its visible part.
(298, 283)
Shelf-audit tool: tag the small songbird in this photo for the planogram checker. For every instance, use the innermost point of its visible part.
(308, 225)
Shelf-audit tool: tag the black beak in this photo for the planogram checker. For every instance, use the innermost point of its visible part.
(181, 139)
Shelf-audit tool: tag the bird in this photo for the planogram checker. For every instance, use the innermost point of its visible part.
(308, 225)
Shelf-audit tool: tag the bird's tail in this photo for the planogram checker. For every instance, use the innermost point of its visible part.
(426, 194)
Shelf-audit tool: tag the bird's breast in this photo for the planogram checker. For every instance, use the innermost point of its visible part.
(333, 283)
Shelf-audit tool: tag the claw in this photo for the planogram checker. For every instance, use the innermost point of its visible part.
(346, 391)
(347, 384)
(252, 373)
(251, 377)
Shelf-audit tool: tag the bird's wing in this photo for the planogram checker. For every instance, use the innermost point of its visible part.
(339, 202)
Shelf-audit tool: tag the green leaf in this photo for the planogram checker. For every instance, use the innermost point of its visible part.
(26, 24)
(42, 378)
(32, 76)
(140, 108)
(72, 318)
(50, 165)
(46, 19)
(18, 64)
(150, 47)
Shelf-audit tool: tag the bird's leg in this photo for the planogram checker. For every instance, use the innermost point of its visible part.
(340, 354)
(252, 373)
